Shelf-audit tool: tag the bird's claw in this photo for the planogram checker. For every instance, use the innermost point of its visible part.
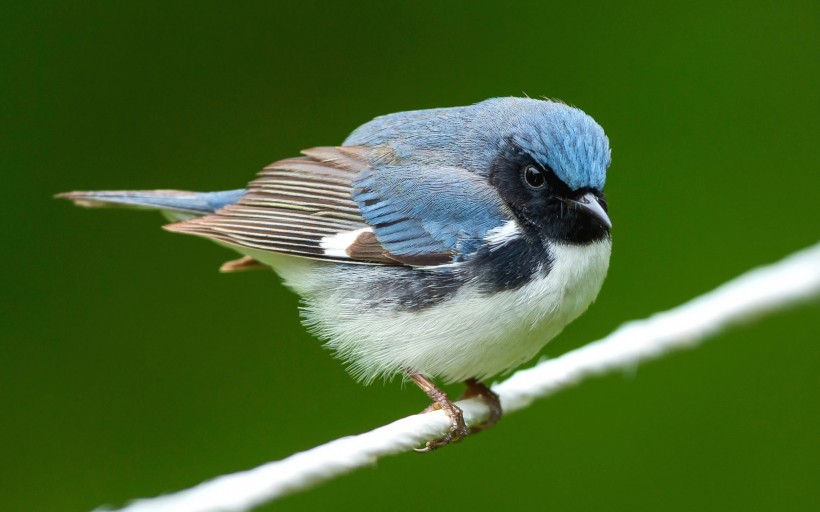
(476, 388)
(458, 428)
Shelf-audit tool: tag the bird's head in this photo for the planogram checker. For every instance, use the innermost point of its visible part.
(550, 169)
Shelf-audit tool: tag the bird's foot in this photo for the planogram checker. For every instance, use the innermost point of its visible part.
(458, 429)
(476, 388)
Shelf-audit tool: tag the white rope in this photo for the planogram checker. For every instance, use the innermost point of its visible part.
(760, 291)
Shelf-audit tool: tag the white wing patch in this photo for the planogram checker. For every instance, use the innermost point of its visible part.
(503, 234)
(336, 245)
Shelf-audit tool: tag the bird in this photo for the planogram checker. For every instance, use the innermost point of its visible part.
(441, 245)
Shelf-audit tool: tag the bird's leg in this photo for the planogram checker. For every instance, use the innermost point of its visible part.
(458, 429)
(476, 388)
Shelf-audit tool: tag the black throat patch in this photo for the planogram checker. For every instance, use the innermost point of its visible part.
(548, 214)
(511, 265)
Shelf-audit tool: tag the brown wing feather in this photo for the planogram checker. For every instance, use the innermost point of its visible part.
(367, 248)
(293, 204)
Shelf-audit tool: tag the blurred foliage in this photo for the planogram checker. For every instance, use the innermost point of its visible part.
(129, 367)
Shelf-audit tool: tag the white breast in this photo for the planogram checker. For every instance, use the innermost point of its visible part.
(470, 335)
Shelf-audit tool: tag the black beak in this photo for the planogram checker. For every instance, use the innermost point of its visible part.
(589, 204)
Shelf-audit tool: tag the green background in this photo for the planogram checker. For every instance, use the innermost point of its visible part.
(129, 367)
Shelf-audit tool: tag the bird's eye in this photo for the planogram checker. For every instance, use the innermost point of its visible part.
(534, 177)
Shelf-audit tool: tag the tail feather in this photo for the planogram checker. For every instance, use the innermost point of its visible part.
(175, 204)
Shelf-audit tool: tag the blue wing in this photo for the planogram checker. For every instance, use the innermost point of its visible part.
(344, 204)
(428, 215)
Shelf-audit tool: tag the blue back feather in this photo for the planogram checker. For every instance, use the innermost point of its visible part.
(448, 210)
